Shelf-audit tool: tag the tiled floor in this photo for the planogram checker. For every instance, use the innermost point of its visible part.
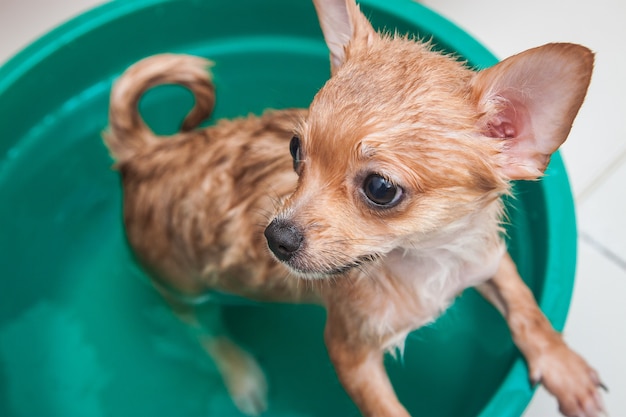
(595, 152)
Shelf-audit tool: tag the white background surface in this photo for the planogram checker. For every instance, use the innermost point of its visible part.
(595, 153)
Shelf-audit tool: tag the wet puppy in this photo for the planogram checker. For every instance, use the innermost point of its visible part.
(389, 200)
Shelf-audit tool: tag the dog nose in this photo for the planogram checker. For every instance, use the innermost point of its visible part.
(283, 238)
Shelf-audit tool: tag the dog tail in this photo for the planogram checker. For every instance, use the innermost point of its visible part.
(128, 133)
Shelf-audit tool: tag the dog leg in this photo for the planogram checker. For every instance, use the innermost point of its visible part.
(242, 375)
(363, 375)
(551, 362)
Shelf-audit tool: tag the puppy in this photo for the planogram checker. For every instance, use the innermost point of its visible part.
(389, 200)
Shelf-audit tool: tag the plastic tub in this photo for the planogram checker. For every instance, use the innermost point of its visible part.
(80, 331)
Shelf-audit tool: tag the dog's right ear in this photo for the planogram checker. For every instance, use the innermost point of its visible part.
(343, 25)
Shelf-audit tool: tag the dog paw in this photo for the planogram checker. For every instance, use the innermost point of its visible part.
(248, 387)
(243, 377)
(571, 380)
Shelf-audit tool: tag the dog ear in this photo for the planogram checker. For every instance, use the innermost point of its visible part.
(530, 101)
(343, 24)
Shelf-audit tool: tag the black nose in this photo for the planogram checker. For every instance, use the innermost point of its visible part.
(283, 238)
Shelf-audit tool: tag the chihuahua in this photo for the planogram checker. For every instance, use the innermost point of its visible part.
(389, 200)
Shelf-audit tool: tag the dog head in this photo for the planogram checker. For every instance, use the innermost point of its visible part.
(404, 144)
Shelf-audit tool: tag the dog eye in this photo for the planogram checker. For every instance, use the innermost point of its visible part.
(380, 191)
(294, 149)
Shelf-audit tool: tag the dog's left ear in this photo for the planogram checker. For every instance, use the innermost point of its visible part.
(529, 101)
(343, 26)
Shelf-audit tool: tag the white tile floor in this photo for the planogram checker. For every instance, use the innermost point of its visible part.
(595, 152)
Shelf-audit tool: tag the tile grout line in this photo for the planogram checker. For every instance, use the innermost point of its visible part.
(601, 177)
(603, 250)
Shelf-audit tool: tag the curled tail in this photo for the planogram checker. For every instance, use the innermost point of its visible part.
(127, 132)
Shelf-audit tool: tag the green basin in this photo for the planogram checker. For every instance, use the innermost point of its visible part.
(81, 332)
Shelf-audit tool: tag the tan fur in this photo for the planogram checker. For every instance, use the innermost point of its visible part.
(563, 372)
(196, 205)
(201, 231)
